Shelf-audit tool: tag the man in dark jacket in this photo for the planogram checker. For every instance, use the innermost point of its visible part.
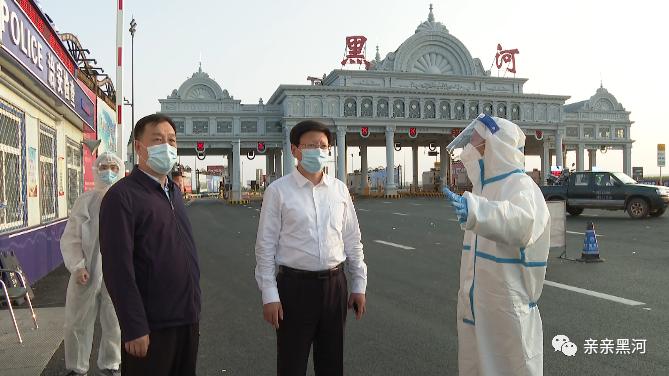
(149, 261)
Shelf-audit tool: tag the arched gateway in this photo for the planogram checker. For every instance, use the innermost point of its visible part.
(430, 83)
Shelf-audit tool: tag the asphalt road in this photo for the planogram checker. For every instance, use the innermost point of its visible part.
(410, 328)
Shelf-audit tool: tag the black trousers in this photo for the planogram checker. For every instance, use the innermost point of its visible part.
(314, 312)
(172, 352)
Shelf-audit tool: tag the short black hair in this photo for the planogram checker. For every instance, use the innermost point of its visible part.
(151, 120)
(308, 126)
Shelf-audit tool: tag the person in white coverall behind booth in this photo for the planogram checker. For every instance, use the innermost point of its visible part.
(504, 256)
(86, 293)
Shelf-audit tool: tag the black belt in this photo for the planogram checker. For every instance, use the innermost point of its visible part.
(306, 274)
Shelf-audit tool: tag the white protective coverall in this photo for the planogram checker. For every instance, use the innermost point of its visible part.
(80, 247)
(504, 258)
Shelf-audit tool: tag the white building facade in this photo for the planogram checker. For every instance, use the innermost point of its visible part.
(430, 83)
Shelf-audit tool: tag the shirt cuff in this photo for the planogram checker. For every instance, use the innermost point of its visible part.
(359, 286)
(270, 295)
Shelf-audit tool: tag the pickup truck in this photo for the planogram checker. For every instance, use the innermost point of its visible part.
(610, 191)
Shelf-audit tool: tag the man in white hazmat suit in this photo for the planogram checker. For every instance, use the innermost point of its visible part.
(86, 292)
(505, 251)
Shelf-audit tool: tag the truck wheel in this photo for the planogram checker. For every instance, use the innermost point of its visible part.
(637, 208)
(658, 212)
(574, 211)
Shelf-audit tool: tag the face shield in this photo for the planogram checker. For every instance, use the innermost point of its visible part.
(474, 133)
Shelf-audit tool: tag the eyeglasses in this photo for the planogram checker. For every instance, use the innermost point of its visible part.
(315, 146)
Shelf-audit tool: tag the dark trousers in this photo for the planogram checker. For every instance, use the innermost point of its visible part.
(172, 352)
(314, 312)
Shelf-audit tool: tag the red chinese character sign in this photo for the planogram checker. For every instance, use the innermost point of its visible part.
(507, 57)
(355, 48)
(364, 132)
(413, 132)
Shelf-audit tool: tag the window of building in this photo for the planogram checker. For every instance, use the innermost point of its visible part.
(515, 112)
(223, 126)
(604, 132)
(487, 109)
(473, 110)
(429, 111)
(75, 181)
(180, 126)
(366, 109)
(48, 187)
(588, 132)
(12, 174)
(273, 126)
(501, 110)
(460, 110)
(572, 132)
(398, 108)
(414, 109)
(445, 109)
(200, 126)
(620, 133)
(350, 107)
(382, 108)
(249, 126)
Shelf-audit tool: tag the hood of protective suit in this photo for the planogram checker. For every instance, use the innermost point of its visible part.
(504, 149)
(107, 158)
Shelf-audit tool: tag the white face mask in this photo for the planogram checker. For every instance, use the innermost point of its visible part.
(161, 158)
(473, 162)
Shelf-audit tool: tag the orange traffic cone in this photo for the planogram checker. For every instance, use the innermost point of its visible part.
(590, 246)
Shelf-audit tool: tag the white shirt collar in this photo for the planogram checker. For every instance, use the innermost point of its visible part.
(302, 181)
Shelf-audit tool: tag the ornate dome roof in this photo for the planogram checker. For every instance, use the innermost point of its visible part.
(200, 87)
(431, 50)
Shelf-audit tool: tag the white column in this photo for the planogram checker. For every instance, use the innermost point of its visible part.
(580, 157)
(277, 163)
(341, 153)
(414, 160)
(545, 163)
(364, 185)
(443, 164)
(592, 158)
(558, 150)
(269, 163)
(627, 159)
(288, 159)
(236, 171)
(391, 188)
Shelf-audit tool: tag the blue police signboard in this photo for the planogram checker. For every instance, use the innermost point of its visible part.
(23, 41)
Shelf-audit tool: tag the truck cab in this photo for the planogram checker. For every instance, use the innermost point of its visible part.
(610, 191)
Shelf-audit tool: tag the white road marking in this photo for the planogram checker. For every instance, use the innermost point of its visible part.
(582, 233)
(400, 214)
(394, 245)
(453, 220)
(364, 209)
(594, 293)
(387, 202)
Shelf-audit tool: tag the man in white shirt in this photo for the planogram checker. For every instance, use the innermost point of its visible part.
(309, 231)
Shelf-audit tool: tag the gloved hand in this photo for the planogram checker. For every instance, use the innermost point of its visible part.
(459, 203)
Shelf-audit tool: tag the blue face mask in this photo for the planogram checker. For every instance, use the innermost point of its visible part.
(108, 177)
(161, 158)
(313, 160)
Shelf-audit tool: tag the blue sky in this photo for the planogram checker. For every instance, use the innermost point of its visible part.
(251, 47)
